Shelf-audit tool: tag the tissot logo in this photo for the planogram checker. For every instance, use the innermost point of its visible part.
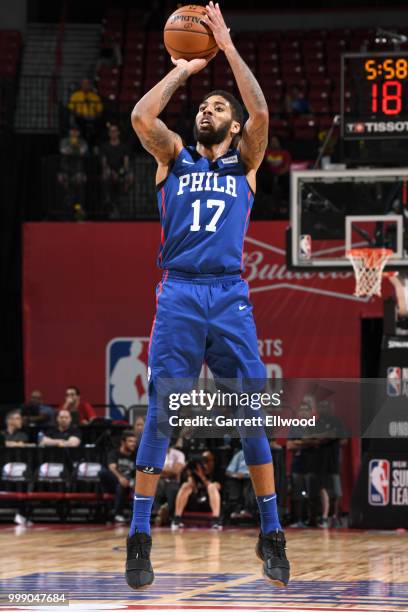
(266, 270)
(377, 127)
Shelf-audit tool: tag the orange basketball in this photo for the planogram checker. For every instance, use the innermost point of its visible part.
(186, 35)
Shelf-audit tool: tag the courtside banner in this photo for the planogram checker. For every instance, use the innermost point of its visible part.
(89, 303)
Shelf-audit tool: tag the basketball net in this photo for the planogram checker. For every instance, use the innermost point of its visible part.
(368, 265)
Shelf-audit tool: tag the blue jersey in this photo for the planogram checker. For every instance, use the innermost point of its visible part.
(204, 212)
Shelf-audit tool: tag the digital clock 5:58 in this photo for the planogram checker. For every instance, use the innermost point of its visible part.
(386, 95)
(374, 100)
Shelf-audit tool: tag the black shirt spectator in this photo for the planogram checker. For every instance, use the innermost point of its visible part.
(332, 430)
(64, 434)
(115, 155)
(118, 478)
(35, 412)
(124, 461)
(14, 434)
(116, 174)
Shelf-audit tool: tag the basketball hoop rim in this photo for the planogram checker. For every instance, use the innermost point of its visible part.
(366, 251)
(372, 256)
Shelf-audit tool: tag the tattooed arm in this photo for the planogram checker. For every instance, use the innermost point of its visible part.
(154, 135)
(255, 131)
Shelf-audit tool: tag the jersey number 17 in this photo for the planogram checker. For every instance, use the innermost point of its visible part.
(212, 225)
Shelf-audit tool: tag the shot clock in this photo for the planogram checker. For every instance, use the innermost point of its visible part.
(374, 95)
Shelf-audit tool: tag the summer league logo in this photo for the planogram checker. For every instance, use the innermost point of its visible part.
(388, 482)
(126, 374)
(379, 482)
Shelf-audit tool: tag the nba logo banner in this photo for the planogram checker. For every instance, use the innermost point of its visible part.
(305, 246)
(379, 482)
(126, 374)
(393, 381)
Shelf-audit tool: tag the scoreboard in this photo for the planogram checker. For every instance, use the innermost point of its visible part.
(374, 95)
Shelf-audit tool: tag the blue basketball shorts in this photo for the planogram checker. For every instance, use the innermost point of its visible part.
(207, 318)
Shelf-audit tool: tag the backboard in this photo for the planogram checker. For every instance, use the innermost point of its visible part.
(333, 211)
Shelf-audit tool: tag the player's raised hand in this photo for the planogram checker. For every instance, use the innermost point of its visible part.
(195, 65)
(215, 21)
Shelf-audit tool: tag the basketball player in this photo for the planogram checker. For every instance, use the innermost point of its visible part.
(203, 311)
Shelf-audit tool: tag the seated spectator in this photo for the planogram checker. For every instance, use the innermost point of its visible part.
(188, 444)
(13, 435)
(272, 197)
(116, 174)
(72, 175)
(35, 412)
(296, 102)
(168, 485)
(73, 144)
(138, 427)
(64, 434)
(203, 485)
(119, 478)
(277, 160)
(239, 494)
(86, 108)
(80, 410)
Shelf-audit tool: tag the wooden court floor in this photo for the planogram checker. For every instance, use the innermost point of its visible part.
(198, 569)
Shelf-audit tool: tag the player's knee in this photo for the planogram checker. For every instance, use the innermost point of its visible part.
(256, 450)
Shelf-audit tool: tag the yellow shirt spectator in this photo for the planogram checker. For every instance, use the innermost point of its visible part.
(84, 102)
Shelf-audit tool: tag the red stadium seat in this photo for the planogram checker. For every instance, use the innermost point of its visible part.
(292, 71)
(315, 69)
(320, 83)
(302, 84)
(288, 46)
(279, 127)
(320, 106)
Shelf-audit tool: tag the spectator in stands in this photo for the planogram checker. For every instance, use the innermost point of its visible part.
(277, 160)
(305, 491)
(273, 179)
(72, 175)
(64, 434)
(188, 444)
(13, 435)
(81, 411)
(239, 494)
(120, 476)
(203, 485)
(169, 485)
(296, 103)
(332, 434)
(116, 174)
(138, 426)
(73, 144)
(35, 412)
(86, 108)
